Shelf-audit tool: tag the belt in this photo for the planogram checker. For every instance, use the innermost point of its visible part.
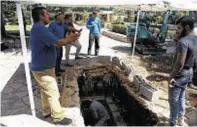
(186, 67)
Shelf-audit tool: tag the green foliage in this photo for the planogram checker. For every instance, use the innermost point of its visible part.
(85, 15)
(109, 26)
(119, 28)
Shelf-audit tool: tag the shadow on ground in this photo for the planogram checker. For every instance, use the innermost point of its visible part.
(15, 97)
(157, 78)
(123, 49)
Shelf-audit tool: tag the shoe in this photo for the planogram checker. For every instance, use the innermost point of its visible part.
(61, 70)
(47, 116)
(180, 120)
(65, 121)
(77, 58)
(69, 65)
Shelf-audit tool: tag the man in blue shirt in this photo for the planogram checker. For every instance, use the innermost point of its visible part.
(43, 43)
(94, 25)
(182, 71)
(57, 28)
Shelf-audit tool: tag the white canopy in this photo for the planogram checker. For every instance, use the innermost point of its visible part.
(181, 4)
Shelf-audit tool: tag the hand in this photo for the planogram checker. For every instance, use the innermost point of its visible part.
(80, 30)
(172, 83)
(72, 37)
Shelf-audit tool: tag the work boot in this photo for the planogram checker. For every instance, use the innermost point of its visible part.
(61, 70)
(180, 120)
(96, 52)
(65, 121)
(47, 116)
(77, 58)
(68, 65)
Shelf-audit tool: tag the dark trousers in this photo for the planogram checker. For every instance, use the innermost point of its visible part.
(92, 39)
(59, 51)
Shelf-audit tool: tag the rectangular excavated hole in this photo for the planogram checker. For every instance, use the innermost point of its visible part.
(106, 87)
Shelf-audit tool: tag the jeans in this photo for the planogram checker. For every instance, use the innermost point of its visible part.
(59, 51)
(176, 95)
(49, 94)
(93, 38)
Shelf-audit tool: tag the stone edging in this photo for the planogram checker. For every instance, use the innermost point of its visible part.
(115, 36)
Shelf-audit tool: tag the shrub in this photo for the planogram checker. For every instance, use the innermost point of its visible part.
(119, 28)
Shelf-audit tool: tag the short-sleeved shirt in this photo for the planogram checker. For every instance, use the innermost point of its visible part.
(98, 110)
(43, 54)
(57, 29)
(188, 45)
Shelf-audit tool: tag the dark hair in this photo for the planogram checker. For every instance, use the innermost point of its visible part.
(95, 12)
(186, 20)
(67, 16)
(58, 13)
(36, 12)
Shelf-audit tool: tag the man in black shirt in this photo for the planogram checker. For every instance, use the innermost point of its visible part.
(69, 28)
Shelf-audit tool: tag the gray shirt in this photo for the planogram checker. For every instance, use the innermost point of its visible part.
(99, 113)
(188, 45)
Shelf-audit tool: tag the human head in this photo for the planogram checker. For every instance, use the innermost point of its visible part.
(68, 18)
(94, 14)
(41, 14)
(59, 17)
(185, 25)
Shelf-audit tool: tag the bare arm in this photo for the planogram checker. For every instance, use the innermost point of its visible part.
(179, 64)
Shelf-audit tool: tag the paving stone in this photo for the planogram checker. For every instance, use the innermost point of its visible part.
(105, 59)
(5, 96)
(24, 88)
(5, 112)
(18, 104)
(7, 89)
(37, 102)
(24, 120)
(149, 92)
(25, 99)
(22, 94)
(126, 67)
(116, 61)
(137, 80)
(22, 110)
(83, 62)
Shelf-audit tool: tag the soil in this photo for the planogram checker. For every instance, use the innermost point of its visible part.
(156, 70)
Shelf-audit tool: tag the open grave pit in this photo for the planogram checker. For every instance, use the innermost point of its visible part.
(111, 84)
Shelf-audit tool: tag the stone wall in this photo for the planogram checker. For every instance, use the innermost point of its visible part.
(115, 36)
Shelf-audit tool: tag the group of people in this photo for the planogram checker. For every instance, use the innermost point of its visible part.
(46, 46)
(62, 26)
